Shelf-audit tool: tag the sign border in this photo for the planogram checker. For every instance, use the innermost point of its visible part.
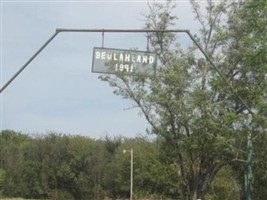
(124, 50)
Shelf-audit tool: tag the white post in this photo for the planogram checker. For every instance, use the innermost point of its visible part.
(131, 174)
(131, 192)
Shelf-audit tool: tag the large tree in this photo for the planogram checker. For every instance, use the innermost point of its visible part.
(247, 55)
(189, 107)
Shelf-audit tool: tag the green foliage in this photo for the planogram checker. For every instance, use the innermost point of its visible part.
(57, 166)
(2, 180)
(260, 167)
(201, 126)
(224, 186)
(60, 195)
(11, 159)
(201, 122)
(247, 54)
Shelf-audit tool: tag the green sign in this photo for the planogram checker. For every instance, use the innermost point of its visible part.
(121, 61)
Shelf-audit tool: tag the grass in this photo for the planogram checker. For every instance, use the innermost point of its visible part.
(13, 199)
(17, 198)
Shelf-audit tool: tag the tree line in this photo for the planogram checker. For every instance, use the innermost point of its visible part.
(58, 166)
(205, 136)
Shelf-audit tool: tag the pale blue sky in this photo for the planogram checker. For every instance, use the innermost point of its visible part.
(57, 91)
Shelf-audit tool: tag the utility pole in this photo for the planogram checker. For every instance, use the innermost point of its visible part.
(249, 173)
(131, 193)
(131, 174)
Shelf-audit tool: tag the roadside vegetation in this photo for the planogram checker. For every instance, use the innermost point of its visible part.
(58, 166)
(201, 127)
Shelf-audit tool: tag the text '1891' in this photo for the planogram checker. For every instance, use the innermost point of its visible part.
(107, 60)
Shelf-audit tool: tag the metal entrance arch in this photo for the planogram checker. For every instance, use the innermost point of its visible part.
(248, 174)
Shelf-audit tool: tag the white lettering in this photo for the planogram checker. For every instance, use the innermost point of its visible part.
(144, 59)
(138, 59)
(97, 55)
(103, 56)
(126, 67)
(121, 67)
(124, 61)
(109, 56)
(115, 56)
(127, 57)
(151, 59)
(121, 57)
